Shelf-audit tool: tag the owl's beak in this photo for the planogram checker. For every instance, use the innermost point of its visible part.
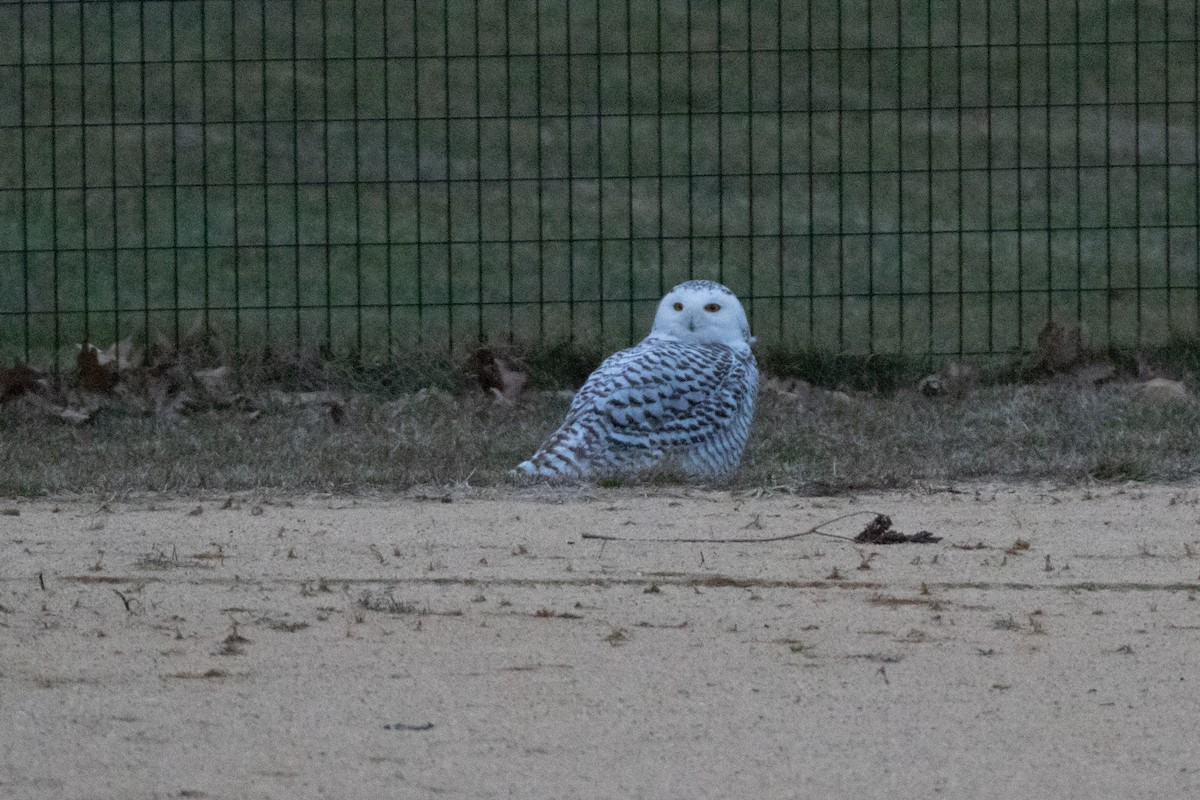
(691, 324)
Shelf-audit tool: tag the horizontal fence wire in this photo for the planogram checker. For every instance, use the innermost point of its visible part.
(935, 179)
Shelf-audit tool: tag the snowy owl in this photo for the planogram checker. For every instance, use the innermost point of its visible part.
(682, 398)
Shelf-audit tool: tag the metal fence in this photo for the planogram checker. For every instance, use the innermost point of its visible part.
(891, 176)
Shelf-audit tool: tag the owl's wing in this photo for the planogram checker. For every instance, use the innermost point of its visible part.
(662, 395)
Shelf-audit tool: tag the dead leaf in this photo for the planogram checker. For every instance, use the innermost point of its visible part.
(92, 375)
(120, 355)
(17, 380)
(802, 392)
(879, 531)
(497, 377)
(793, 389)
(1059, 348)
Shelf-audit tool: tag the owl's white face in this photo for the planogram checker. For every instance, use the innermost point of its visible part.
(703, 312)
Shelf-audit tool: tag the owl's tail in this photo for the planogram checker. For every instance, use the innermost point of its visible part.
(554, 461)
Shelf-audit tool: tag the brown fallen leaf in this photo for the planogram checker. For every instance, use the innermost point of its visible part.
(802, 392)
(497, 377)
(17, 380)
(1059, 348)
(879, 531)
(92, 375)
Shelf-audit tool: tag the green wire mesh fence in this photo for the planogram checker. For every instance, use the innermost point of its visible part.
(871, 176)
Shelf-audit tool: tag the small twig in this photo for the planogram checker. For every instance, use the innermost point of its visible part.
(400, 726)
(124, 600)
(813, 531)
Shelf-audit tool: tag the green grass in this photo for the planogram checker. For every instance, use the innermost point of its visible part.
(931, 229)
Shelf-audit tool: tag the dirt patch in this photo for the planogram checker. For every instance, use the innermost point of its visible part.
(322, 646)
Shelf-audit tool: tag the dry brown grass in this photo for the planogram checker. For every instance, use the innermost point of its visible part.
(358, 442)
(1033, 432)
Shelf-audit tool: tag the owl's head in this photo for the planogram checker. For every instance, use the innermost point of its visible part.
(703, 312)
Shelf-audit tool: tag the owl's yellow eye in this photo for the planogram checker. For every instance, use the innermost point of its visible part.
(678, 306)
(712, 307)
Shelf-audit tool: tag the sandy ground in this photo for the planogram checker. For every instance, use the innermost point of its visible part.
(328, 647)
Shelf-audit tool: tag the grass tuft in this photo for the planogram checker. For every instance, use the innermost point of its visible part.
(826, 442)
(304, 422)
(881, 373)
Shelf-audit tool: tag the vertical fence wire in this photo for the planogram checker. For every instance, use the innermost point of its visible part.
(22, 144)
(418, 177)
(786, 245)
(510, 207)
(1137, 170)
(1048, 157)
(1108, 173)
(751, 261)
(1020, 181)
(480, 331)
(660, 151)
(930, 235)
(448, 170)
(810, 166)
(114, 203)
(1167, 218)
(268, 236)
(541, 183)
(368, 176)
(54, 180)
(959, 164)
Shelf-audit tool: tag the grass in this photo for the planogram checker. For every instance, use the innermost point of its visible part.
(329, 187)
(1058, 433)
(1055, 433)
